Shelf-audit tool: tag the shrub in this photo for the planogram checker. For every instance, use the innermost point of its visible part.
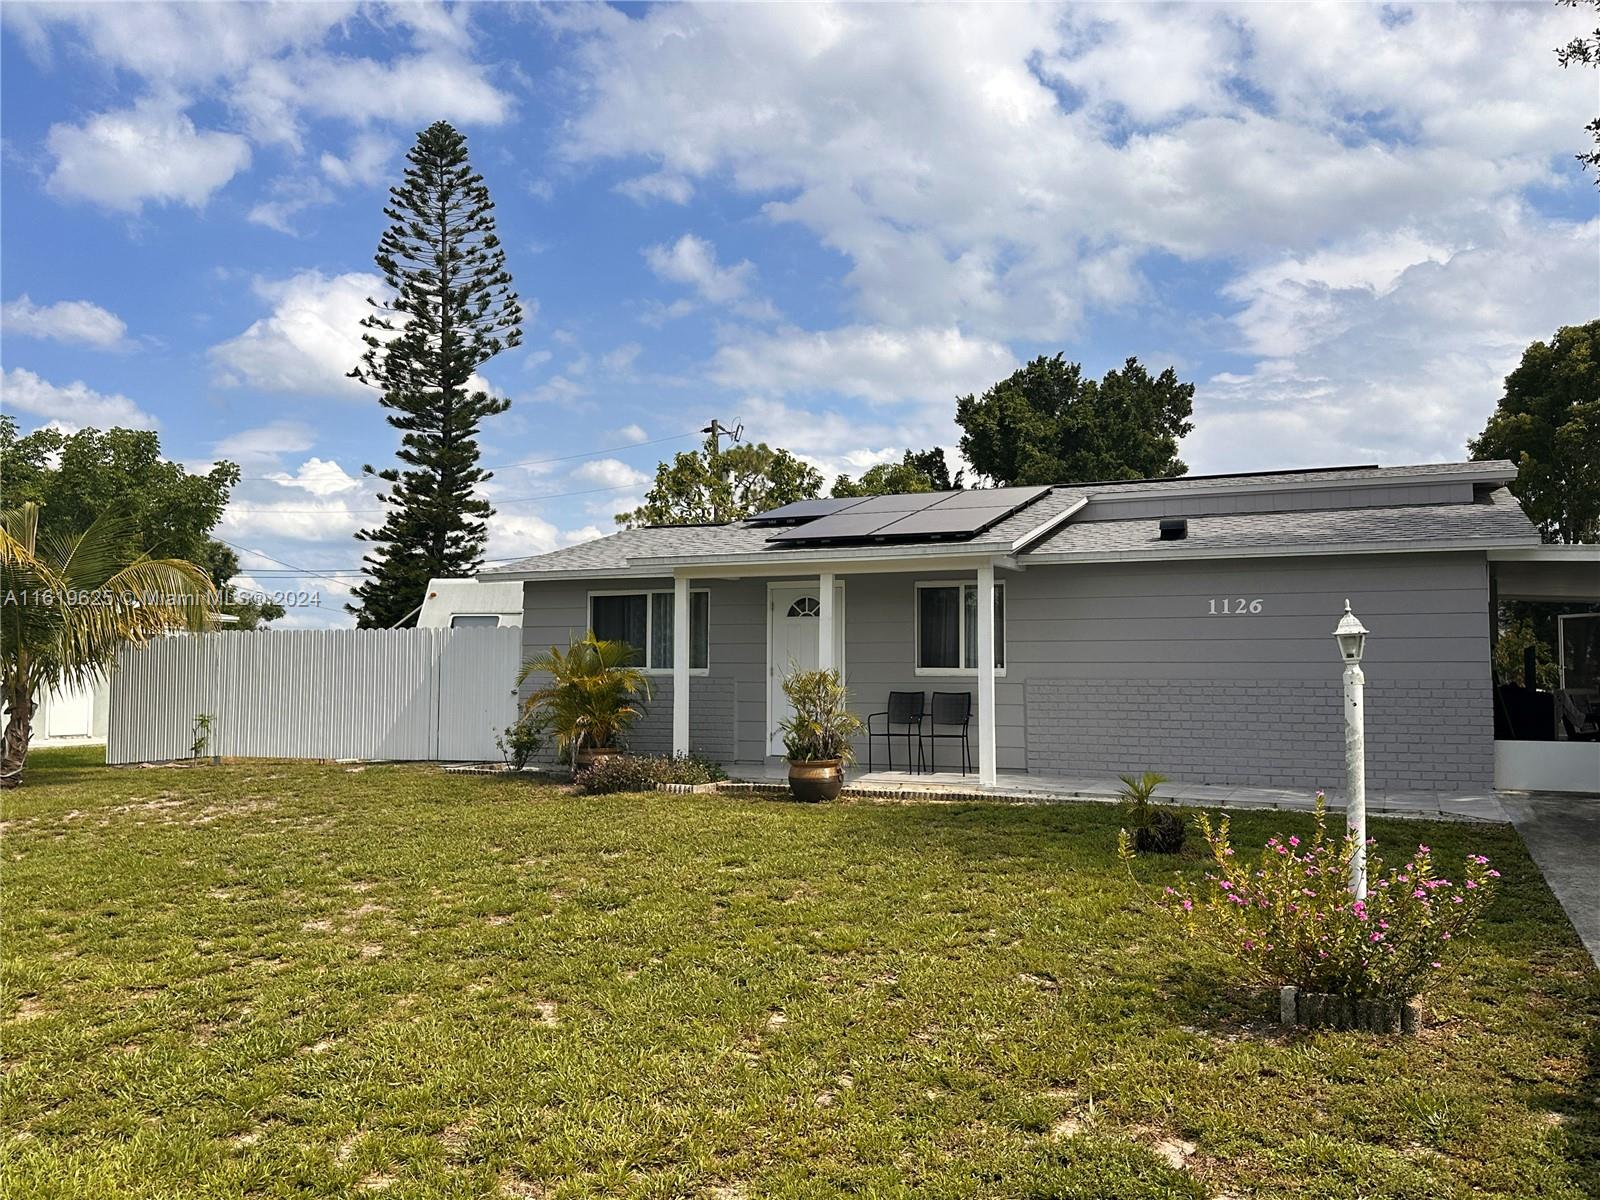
(643, 773)
(1291, 918)
(521, 741)
(1154, 828)
(822, 724)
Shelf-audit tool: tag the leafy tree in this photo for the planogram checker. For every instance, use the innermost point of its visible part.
(1584, 52)
(69, 601)
(711, 486)
(932, 463)
(1048, 424)
(1548, 423)
(452, 311)
(76, 478)
(918, 471)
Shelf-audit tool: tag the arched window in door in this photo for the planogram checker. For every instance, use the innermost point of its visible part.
(806, 606)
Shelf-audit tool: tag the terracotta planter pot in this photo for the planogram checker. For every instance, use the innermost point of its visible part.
(589, 755)
(818, 780)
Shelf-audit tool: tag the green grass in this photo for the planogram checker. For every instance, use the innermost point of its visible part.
(300, 980)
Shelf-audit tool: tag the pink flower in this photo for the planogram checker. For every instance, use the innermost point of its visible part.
(1494, 874)
(1471, 883)
(1421, 849)
(1187, 905)
(1437, 964)
(1293, 841)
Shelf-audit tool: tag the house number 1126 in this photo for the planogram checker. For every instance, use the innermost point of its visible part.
(1236, 606)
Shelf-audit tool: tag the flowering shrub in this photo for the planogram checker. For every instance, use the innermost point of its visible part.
(1291, 919)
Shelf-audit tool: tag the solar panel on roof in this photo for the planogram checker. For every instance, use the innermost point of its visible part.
(901, 502)
(927, 516)
(842, 526)
(804, 510)
(946, 521)
(1003, 497)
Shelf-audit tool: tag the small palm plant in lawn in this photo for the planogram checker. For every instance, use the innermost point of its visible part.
(1154, 827)
(816, 738)
(68, 604)
(592, 698)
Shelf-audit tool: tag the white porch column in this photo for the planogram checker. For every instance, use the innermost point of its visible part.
(680, 664)
(825, 622)
(987, 773)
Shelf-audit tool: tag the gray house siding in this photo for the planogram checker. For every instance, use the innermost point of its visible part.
(1122, 667)
(1127, 670)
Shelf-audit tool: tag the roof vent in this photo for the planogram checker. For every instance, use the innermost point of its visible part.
(1175, 529)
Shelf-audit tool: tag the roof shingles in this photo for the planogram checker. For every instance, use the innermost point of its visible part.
(1499, 518)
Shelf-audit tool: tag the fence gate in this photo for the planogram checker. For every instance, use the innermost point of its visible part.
(337, 693)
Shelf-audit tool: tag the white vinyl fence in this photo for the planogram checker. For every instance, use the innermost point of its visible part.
(339, 693)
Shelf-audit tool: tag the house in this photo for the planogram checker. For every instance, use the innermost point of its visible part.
(1178, 625)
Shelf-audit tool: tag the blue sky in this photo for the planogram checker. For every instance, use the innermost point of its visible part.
(1341, 223)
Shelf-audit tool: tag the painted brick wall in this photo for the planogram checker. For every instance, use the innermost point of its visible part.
(713, 719)
(1421, 734)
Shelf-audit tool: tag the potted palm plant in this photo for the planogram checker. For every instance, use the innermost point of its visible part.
(593, 696)
(816, 739)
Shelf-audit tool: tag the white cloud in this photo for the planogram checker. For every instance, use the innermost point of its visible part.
(1404, 371)
(272, 94)
(77, 321)
(149, 152)
(311, 340)
(519, 534)
(265, 442)
(622, 358)
(659, 185)
(609, 472)
(879, 365)
(320, 477)
(633, 433)
(693, 261)
(1014, 195)
(366, 164)
(319, 503)
(72, 406)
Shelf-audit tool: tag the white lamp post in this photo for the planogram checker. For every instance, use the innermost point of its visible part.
(1351, 635)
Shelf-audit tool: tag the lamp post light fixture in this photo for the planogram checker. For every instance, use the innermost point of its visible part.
(1351, 636)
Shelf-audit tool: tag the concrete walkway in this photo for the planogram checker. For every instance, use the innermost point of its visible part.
(1562, 832)
(949, 785)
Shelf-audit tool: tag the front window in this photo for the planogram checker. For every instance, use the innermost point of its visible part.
(947, 627)
(645, 621)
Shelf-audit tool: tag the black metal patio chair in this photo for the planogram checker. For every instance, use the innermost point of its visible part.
(953, 710)
(905, 710)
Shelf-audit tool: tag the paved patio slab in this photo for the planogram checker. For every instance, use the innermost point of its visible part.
(1562, 832)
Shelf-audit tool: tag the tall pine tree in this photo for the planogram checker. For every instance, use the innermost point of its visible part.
(452, 310)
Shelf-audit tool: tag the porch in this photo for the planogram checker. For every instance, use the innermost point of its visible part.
(947, 611)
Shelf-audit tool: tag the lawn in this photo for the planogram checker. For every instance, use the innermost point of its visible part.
(304, 980)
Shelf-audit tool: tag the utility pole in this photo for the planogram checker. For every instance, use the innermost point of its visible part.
(716, 429)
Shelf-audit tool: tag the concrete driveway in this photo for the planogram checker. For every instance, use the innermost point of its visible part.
(1562, 832)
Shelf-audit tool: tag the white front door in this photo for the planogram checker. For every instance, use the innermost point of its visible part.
(793, 613)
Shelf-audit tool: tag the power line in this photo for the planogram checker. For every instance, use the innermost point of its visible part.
(497, 501)
(537, 462)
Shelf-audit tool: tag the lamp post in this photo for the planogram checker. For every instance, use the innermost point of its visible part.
(1351, 635)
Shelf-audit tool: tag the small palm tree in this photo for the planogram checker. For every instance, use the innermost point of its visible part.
(595, 693)
(68, 604)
